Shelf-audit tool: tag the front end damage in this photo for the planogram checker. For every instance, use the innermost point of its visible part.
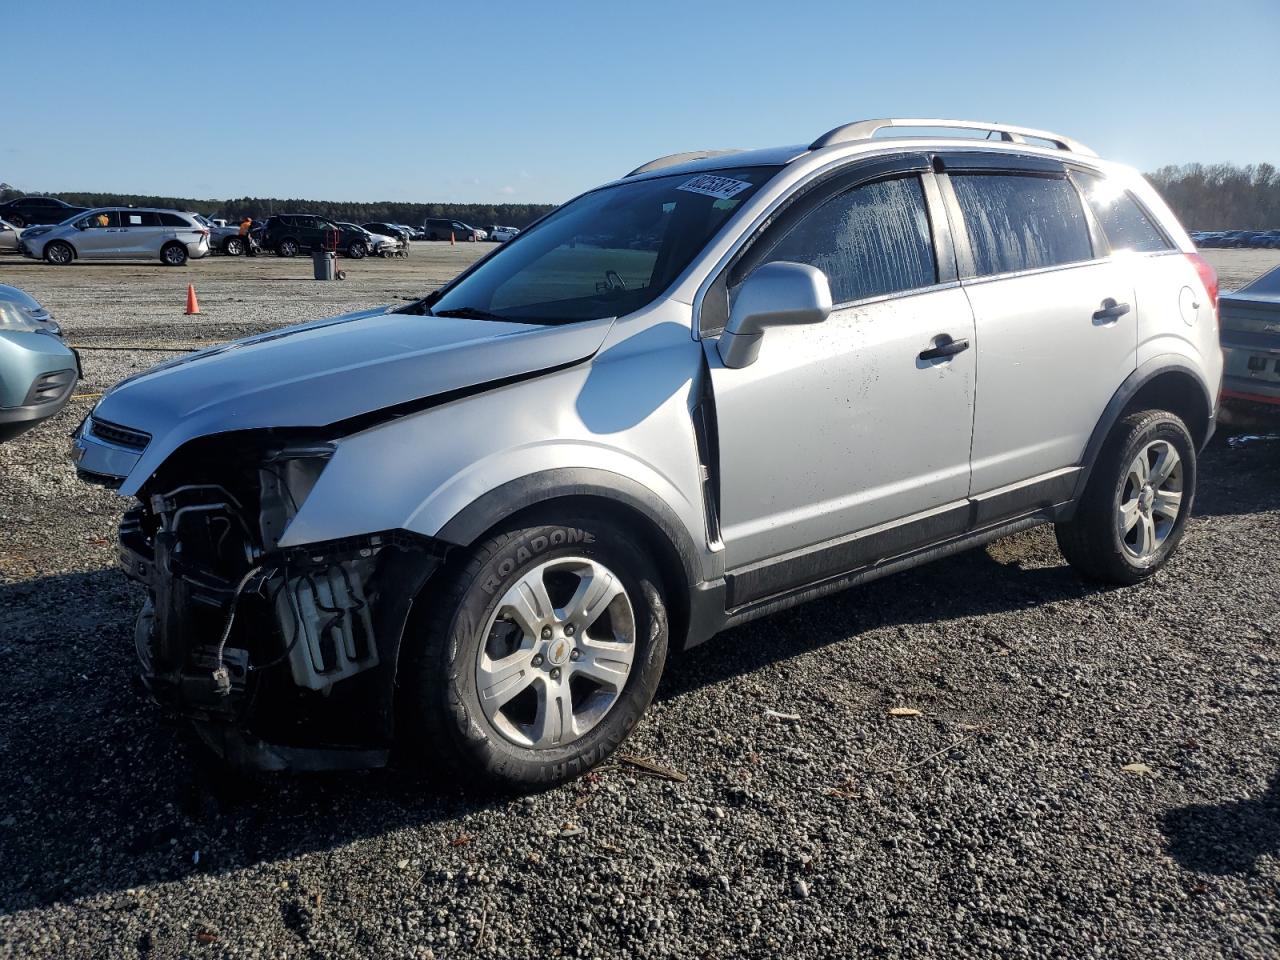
(285, 658)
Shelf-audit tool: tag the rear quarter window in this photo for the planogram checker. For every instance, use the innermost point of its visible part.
(1020, 222)
(1124, 223)
(173, 220)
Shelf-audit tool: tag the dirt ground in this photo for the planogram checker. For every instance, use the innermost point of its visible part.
(802, 820)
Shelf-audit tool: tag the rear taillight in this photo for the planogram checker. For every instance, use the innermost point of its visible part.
(1208, 276)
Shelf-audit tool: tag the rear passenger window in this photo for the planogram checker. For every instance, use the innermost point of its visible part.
(130, 218)
(869, 241)
(1021, 222)
(173, 220)
(1124, 223)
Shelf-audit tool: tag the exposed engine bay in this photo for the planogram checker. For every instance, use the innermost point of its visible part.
(285, 657)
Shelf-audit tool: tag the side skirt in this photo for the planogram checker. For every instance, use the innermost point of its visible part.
(746, 612)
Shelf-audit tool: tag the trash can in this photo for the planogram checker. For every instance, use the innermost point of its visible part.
(325, 263)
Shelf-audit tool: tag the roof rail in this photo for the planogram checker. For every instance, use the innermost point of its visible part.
(866, 129)
(672, 159)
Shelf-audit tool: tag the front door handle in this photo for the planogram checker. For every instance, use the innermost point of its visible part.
(1110, 311)
(946, 348)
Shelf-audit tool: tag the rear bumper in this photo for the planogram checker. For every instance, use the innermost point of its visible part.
(1251, 369)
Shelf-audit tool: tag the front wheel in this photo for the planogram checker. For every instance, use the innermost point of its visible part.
(357, 250)
(287, 247)
(59, 253)
(233, 246)
(1134, 509)
(541, 652)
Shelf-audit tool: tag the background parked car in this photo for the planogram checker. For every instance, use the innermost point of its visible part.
(379, 244)
(37, 370)
(1249, 324)
(501, 234)
(30, 211)
(9, 237)
(119, 233)
(390, 230)
(289, 234)
(438, 228)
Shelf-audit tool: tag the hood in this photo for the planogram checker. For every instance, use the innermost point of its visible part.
(320, 373)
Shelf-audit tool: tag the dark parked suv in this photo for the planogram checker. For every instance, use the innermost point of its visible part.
(289, 234)
(440, 229)
(28, 211)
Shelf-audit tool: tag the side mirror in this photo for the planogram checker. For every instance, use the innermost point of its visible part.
(780, 294)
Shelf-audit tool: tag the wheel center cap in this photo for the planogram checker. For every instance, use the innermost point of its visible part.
(558, 651)
(1146, 497)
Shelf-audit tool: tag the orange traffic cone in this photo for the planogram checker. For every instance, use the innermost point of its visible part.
(451, 242)
(193, 305)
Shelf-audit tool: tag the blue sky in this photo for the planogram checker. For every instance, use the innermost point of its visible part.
(536, 101)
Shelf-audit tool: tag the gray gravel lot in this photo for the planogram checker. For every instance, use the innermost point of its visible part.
(999, 822)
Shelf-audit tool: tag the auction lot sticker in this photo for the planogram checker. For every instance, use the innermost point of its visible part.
(722, 188)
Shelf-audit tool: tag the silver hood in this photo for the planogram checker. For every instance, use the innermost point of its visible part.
(318, 374)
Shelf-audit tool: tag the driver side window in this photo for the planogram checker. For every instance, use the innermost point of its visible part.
(870, 241)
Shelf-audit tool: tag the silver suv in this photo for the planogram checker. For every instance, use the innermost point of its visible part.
(469, 529)
(119, 233)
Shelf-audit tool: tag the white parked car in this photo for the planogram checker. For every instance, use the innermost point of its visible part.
(9, 237)
(502, 234)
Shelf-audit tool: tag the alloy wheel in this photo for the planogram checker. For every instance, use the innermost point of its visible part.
(1150, 499)
(556, 653)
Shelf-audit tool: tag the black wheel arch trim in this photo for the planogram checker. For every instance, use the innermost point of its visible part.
(1146, 372)
(491, 508)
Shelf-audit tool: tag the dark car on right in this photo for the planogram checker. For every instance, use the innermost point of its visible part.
(32, 211)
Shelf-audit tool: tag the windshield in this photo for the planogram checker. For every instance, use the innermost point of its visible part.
(606, 254)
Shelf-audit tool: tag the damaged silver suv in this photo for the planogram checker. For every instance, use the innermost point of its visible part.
(467, 531)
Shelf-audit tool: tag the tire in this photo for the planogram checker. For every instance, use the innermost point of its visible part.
(1123, 532)
(233, 247)
(59, 253)
(357, 250)
(514, 742)
(17, 222)
(174, 255)
(288, 247)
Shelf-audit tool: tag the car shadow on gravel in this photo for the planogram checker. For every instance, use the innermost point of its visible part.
(100, 791)
(971, 584)
(1225, 838)
(1238, 473)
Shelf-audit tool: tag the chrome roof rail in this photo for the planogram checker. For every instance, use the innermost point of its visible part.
(673, 159)
(866, 129)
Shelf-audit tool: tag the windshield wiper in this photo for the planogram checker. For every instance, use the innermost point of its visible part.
(470, 313)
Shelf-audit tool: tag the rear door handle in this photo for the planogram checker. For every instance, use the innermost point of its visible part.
(1110, 311)
(947, 348)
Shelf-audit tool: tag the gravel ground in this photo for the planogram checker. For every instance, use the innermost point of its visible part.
(798, 817)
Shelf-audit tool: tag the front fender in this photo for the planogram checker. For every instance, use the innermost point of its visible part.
(617, 427)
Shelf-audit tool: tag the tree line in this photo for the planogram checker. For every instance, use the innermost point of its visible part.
(1219, 196)
(412, 214)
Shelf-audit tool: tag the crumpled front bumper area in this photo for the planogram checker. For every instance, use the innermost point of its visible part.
(285, 658)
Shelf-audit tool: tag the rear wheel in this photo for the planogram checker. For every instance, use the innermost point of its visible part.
(542, 651)
(1135, 507)
(17, 222)
(288, 247)
(233, 246)
(59, 253)
(173, 254)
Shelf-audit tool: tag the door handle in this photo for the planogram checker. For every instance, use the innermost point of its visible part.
(1110, 311)
(948, 348)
